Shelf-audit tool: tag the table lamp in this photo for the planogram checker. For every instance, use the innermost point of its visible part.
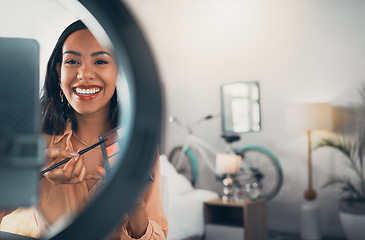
(227, 164)
(306, 118)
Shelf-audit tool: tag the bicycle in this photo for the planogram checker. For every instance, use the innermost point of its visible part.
(260, 174)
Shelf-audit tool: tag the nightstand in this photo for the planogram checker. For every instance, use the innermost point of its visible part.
(251, 215)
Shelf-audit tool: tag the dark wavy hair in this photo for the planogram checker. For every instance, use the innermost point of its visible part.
(54, 112)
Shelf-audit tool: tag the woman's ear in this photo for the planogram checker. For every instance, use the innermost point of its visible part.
(58, 69)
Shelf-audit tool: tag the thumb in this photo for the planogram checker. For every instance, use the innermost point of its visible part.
(101, 171)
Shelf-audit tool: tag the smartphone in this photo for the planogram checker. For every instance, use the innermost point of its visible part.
(21, 145)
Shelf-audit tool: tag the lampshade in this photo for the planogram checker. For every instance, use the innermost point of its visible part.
(227, 163)
(309, 117)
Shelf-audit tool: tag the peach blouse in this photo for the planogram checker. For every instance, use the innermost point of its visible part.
(65, 200)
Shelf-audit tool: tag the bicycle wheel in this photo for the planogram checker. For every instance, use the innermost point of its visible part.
(184, 163)
(264, 170)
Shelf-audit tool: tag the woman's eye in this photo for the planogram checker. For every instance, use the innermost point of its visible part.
(70, 61)
(101, 62)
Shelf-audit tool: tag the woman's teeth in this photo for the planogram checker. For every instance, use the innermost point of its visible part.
(89, 91)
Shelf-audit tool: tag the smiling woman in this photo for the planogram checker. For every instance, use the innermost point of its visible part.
(139, 100)
(79, 105)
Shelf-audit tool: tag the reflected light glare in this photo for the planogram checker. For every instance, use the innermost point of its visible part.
(89, 20)
(171, 119)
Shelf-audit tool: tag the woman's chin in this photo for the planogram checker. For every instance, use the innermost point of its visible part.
(90, 109)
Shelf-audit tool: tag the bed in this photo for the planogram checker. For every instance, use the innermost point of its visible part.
(183, 204)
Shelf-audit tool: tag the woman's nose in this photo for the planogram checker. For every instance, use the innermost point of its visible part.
(85, 72)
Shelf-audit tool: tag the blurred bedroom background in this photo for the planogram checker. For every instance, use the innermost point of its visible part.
(299, 52)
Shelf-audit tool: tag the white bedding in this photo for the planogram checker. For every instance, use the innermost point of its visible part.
(183, 203)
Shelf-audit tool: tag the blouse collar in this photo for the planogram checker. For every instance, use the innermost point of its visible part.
(67, 133)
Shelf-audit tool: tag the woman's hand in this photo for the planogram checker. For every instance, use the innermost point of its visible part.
(138, 221)
(74, 171)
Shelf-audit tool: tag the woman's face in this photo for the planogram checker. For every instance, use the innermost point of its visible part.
(87, 73)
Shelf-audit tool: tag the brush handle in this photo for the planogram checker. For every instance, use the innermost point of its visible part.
(56, 165)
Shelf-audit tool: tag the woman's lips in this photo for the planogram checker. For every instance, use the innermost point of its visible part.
(86, 93)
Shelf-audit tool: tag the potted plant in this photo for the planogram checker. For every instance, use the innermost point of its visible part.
(352, 187)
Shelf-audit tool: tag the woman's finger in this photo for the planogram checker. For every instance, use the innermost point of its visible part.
(56, 176)
(82, 175)
(78, 166)
(78, 163)
(69, 167)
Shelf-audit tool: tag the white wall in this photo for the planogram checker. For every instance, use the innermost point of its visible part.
(299, 51)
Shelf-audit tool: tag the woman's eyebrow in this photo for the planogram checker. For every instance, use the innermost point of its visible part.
(99, 53)
(72, 52)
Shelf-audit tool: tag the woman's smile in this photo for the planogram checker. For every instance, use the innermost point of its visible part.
(86, 93)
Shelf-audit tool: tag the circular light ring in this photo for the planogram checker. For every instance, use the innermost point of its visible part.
(103, 212)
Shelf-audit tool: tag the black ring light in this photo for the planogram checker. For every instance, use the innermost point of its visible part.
(103, 212)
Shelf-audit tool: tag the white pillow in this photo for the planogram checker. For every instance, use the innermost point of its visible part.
(177, 183)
